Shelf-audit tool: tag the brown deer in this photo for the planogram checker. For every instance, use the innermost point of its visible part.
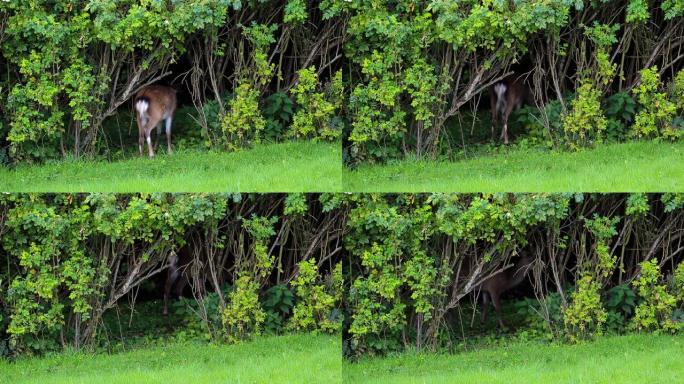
(154, 104)
(178, 275)
(496, 285)
(505, 96)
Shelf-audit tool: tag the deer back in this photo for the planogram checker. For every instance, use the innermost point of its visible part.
(510, 91)
(510, 277)
(161, 99)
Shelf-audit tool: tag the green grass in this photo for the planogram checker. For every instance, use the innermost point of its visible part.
(286, 167)
(626, 359)
(629, 167)
(283, 359)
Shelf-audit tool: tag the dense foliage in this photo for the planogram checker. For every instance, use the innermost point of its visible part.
(417, 66)
(258, 263)
(390, 270)
(414, 72)
(69, 65)
(602, 263)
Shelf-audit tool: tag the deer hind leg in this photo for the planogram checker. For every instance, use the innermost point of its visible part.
(496, 300)
(485, 307)
(141, 141)
(148, 138)
(180, 286)
(168, 122)
(504, 131)
(156, 140)
(170, 280)
(495, 113)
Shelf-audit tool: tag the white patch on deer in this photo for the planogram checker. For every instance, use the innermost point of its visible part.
(500, 90)
(141, 106)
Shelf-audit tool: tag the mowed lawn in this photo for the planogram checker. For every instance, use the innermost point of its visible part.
(283, 359)
(627, 359)
(284, 167)
(628, 167)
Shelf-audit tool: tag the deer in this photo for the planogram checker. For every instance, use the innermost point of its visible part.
(178, 275)
(501, 282)
(505, 96)
(154, 104)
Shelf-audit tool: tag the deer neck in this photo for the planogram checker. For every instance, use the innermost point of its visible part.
(520, 272)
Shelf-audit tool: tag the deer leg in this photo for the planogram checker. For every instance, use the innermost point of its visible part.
(180, 286)
(496, 300)
(504, 132)
(485, 307)
(495, 113)
(156, 141)
(170, 280)
(148, 137)
(141, 141)
(168, 134)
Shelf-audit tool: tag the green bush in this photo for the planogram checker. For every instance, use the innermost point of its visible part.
(603, 229)
(656, 111)
(656, 305)
(620, 302)
(585, 317)
(193, 326)
(535, 312)
(243, 123)
(586, 123)
(315, 304)
(534, 121)
(678, 282)
(678, 90)
(278, 302)
(313, 118)
(243, 317)
(278, 110)
(620, 110)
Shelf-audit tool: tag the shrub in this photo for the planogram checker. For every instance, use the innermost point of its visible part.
(56, 276)
(585, 316)
(543, 318)
(295, 12)
(620, 109)
(243, 316)
(194, 326)
(678, 98)
(213, 132)
(278, 111)
(603, 229)
(585, 124)
(678, 291)
(313, 119)
(260, 228)
(678, 281)
(678, 90)
(243, 123)
(620, 302)
(535, 121)
(277, 303)
(656, 113)
(314, 308)
(637, 205)
(656, 305)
